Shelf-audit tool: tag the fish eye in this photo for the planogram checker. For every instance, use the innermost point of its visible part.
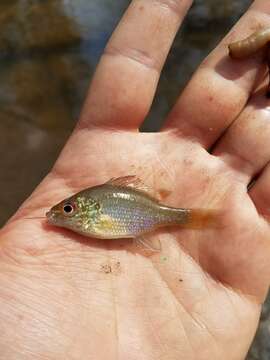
(68, 209)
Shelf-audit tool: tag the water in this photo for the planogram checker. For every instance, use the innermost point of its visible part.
(48, 52)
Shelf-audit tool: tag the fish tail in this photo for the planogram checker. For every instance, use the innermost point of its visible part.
(191, 218)
(202, 218)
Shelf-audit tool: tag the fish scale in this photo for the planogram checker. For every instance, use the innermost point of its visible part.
(130, 220)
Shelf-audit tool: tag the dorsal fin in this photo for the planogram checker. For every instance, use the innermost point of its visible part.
(129, 180)
(132, 181)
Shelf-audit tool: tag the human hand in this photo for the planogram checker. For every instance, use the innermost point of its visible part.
(68, 297)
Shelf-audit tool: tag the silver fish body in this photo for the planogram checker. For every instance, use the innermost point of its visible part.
(118, 209)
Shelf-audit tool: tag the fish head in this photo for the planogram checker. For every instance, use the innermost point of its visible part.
(78, 213)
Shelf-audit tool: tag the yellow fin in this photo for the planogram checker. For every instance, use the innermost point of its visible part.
(134, 182)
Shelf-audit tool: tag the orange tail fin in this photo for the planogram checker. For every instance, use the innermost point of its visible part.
(202, 218)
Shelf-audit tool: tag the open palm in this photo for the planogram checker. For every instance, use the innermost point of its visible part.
(64, 296)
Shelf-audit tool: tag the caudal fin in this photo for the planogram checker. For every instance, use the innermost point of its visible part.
(203, 218)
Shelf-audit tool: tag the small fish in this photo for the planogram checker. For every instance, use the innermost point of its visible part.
(121, 208)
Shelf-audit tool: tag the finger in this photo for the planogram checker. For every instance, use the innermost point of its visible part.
(245, 146)
(126, 78)
(260, 193)
(221, 86)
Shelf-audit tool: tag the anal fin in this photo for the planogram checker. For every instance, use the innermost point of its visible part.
(149, 244)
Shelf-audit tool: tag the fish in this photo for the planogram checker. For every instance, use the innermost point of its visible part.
(122, 208)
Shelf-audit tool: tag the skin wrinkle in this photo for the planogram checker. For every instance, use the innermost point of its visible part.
(195, 320)
(262, 205)
(27, 352)
(225, 287)
(39, 320)
(134, 54)
(163, 165)
(226, 290)
(257, 15)
(181, 131)
(202, 324)
(157, 338)
(31, 273)
(239, 158)
(166, 287)
(8, 255)
(30, 257)
(207, 276)
(116, 316)
(39, 310)
(86, 125)
(176, 302)
(77, 293)
(205, 273)
(233, 149)
(73, 340)
(224, 284)
(175, 6)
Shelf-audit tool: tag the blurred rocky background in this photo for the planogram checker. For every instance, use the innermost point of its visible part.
(48, 52)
